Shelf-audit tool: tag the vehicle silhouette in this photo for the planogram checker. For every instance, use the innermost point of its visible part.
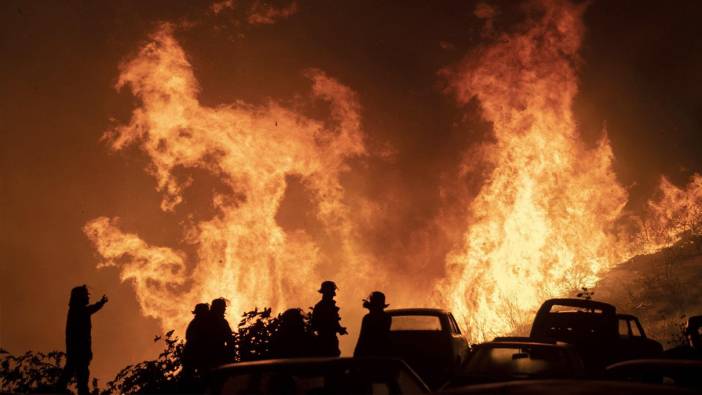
(323, 375)
(633, 342)
(498, 361)
(589, 325)
(430, 341)
(571, 387)
(679, 373)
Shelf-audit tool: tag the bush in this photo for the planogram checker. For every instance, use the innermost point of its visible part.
(254, 335)
(36, 372)
(31, 372)
(158, 376)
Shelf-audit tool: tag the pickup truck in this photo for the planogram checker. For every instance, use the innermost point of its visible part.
(633, 343)
(507, 360)
(600, 335)
(430, 341)
(693, 349)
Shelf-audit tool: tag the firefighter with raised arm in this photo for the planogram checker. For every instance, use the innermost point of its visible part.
(79, 351)
(326, 322)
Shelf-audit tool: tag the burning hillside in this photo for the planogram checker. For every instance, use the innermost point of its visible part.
(662, 288)
(549, 218)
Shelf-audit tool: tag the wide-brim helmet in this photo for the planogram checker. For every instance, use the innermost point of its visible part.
(201, 308)
(327, 286)
(375, 300)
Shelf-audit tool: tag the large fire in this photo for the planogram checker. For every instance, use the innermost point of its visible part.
(242, 253)
(546, 219)
(540, 222)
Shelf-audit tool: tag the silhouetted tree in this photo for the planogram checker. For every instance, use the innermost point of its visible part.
(36, 372)
(158, 376)
(31, 372)
(256, 334)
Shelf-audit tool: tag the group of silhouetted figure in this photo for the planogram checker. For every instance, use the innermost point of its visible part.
(210, 339)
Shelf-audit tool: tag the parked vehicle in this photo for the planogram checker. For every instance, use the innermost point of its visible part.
(693, 348)
(694, 327)
(633, 343)
(591, 326)
(570, 387)
(318, 376)
(518, 360)
(430, 341)
(679, 373)
(601, 336)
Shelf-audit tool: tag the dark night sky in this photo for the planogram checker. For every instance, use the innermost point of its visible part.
(640, 73)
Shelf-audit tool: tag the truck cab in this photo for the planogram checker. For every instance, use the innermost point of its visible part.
(633, 343)
(600, 335)
(590, 326)
(430, 341)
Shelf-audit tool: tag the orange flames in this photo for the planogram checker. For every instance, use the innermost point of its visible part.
(544, 222)
(675, 214)
(242, 253)
(540, 223)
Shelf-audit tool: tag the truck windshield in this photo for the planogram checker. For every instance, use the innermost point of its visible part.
(415, 323)
(516, 361)
(556, 308)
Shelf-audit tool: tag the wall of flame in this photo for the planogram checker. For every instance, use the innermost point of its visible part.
(242, 253)
(548, 217)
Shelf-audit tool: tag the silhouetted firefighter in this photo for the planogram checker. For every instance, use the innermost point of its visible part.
(78, 338)
(374, 339)
(219, 333)
(326, 321)
(195, 358)
(291, 340)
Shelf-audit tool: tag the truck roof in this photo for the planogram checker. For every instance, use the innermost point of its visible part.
(533, 343)
(605, 307)
(309, 361)
(417, 311)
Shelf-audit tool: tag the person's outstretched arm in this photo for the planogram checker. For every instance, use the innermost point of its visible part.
(93, 308)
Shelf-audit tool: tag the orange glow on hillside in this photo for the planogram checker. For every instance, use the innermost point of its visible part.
(541, 220)
(546, 220)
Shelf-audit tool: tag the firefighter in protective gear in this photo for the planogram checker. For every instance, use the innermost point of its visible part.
(326, 322)
(79, 351)
(374, 339)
